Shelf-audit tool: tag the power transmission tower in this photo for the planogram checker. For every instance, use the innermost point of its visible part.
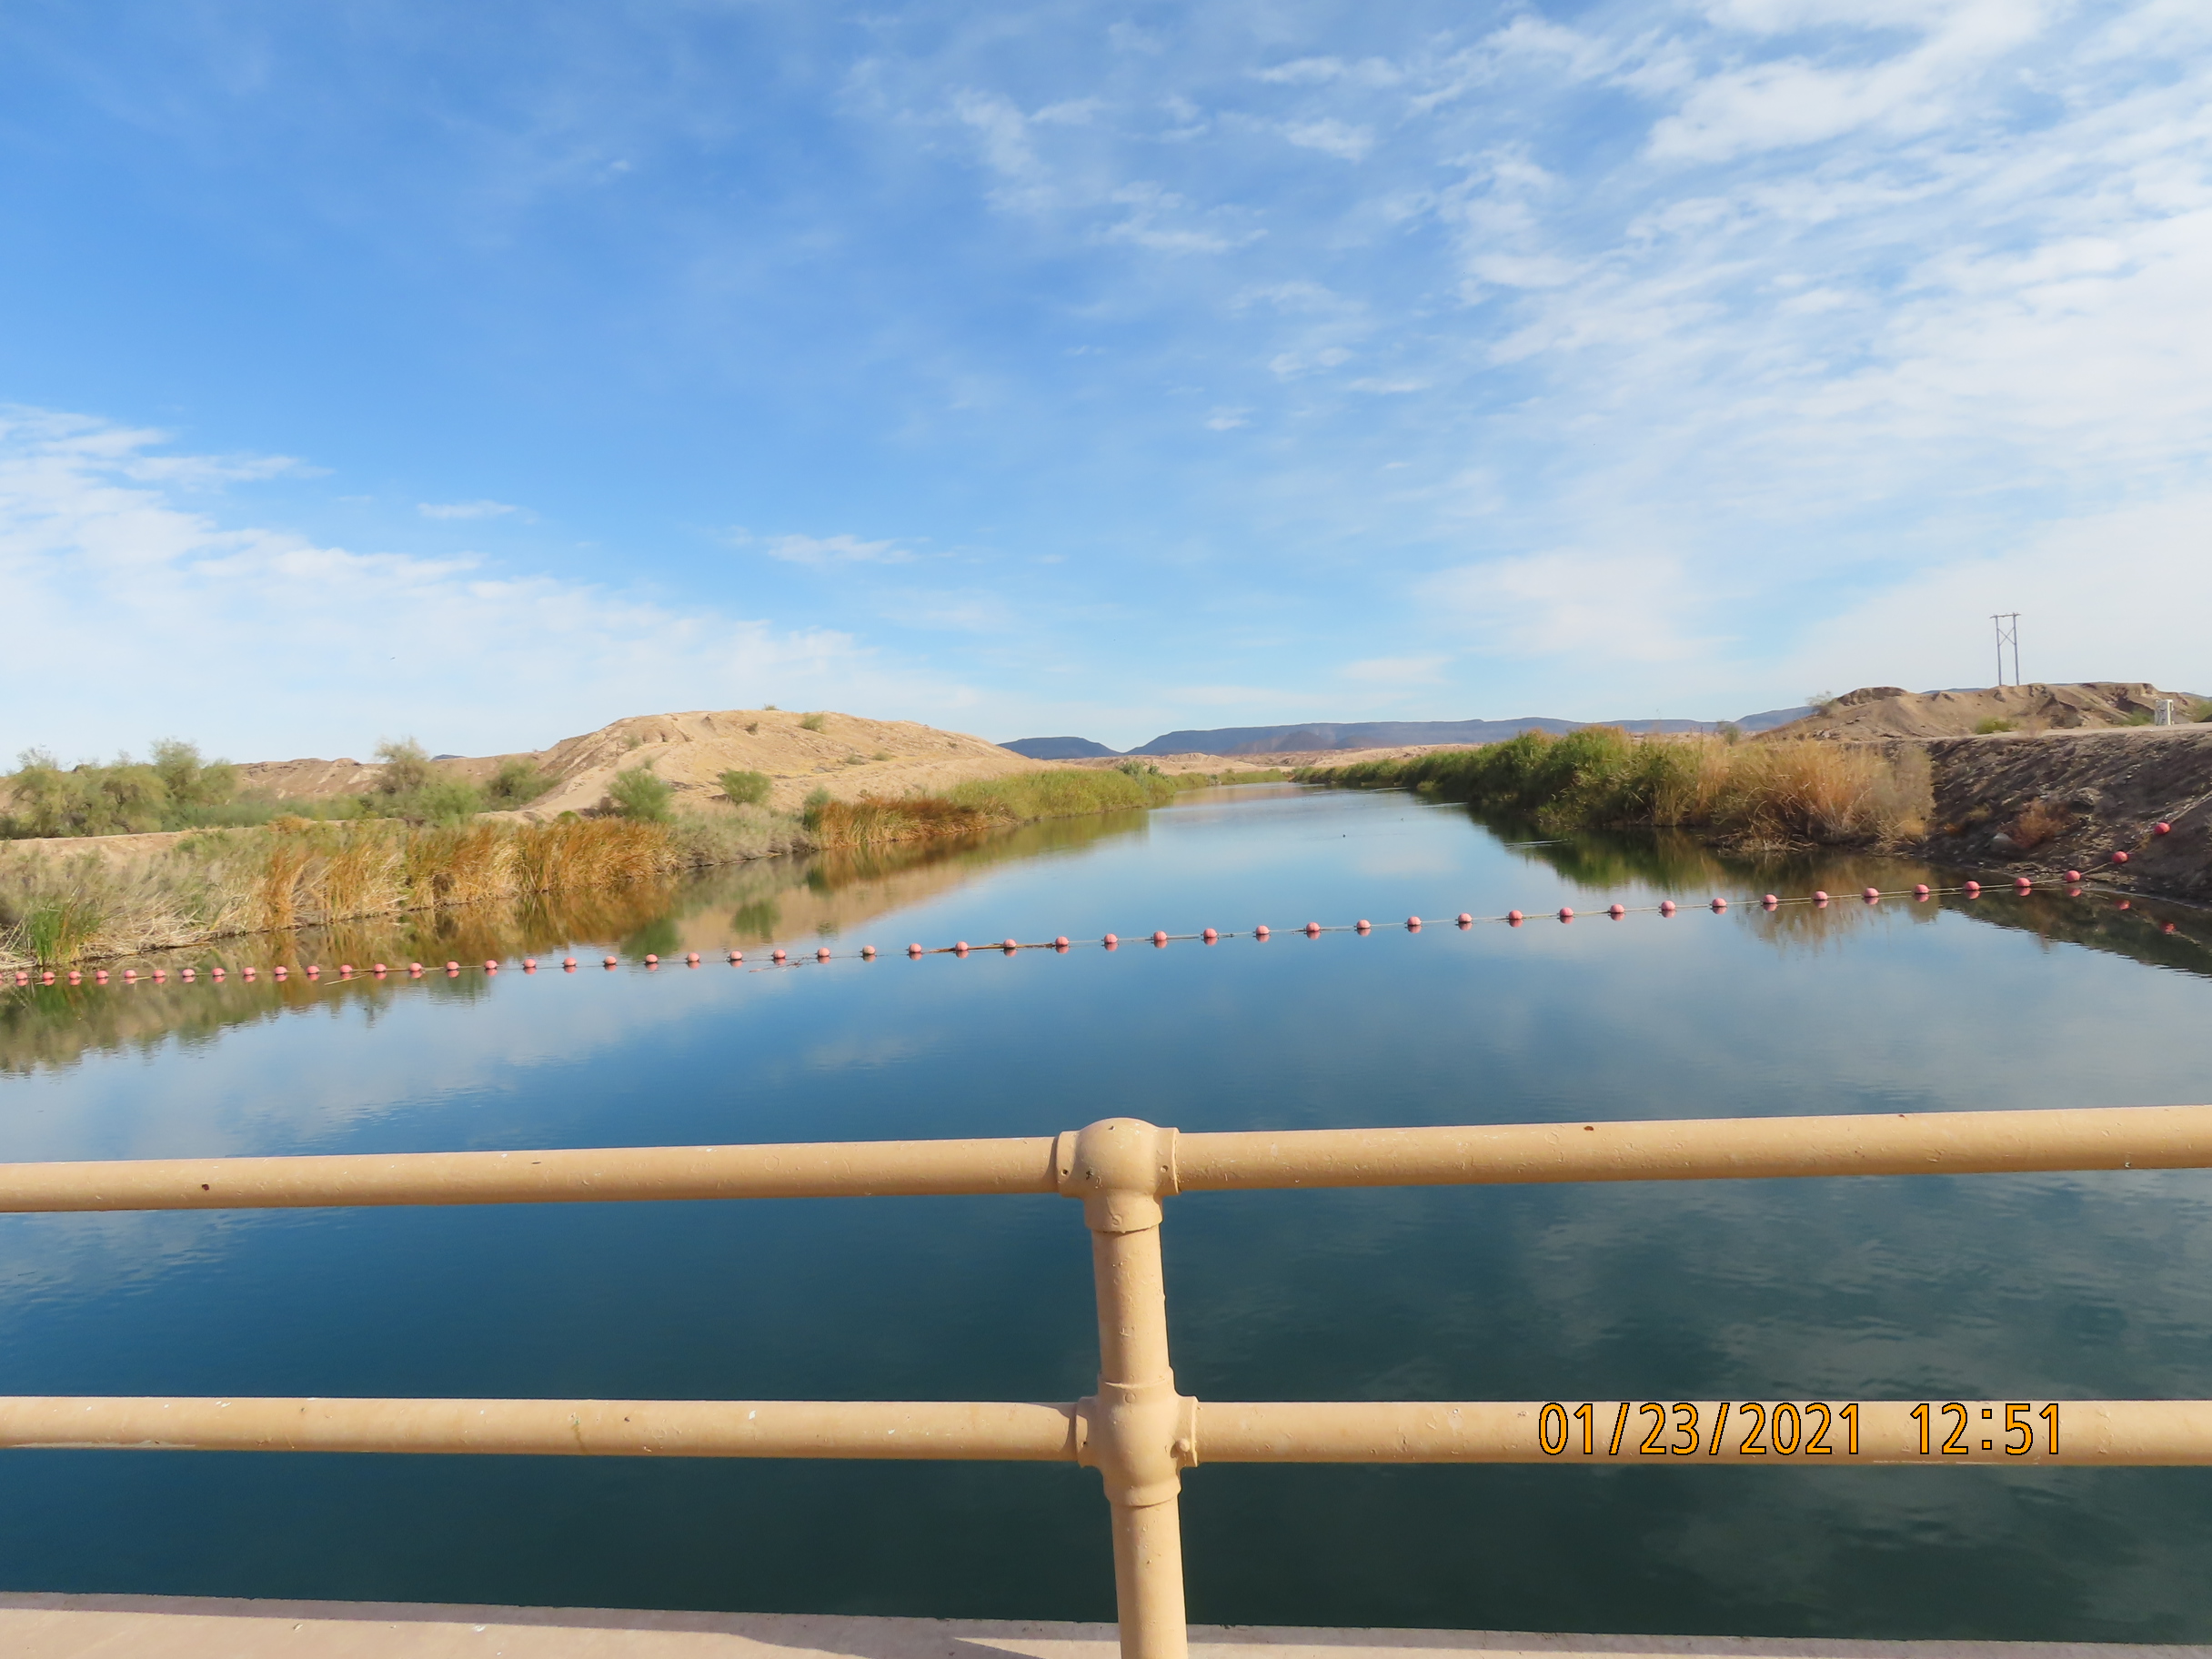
(2007, 624)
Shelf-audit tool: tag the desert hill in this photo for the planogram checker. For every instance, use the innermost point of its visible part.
(1891, 711)
(849, 756)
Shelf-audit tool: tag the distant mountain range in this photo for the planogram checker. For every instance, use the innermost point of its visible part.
(1364, 734)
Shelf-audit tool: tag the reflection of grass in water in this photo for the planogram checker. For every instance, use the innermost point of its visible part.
(50, 1026)
(658, 936)
(757, 920)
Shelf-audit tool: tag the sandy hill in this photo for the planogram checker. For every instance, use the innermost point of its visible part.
(849, 757)
(1891, 711)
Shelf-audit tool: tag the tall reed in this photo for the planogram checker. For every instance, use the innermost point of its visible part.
(1778, 794)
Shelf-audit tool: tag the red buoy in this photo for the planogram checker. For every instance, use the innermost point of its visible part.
(1567, 913)
(2022, 884)
(1972, 889)
(568, 962)
(650, 961)
(1666, 907)
(1514, 918)
(2162, 829)
(1920, 890)
(529, 964)
(1466, 920)
(1616, 910)
(1160, 937)
(2119, 858)
(491, 967)
(959, 948)
(1313, 930)
(1871, 894)
(1819, 897)
(609, 963)
(692, 957)
(1260, 931)
(2073, 875)
(1769, 900)
(1363, 925)
(1061, 943)
(914, 950)
(821, 953)
(869, 952)
(1719, 905)
(1010, 945)
(1209, 936)
(1109, 941)
(777, 955)
(450, 968)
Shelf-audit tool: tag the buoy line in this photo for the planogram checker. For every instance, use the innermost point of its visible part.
(779, 957)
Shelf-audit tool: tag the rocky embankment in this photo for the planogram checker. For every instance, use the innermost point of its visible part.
(2042, 805)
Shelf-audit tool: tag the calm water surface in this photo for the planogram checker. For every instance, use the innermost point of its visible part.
(2042, 1286)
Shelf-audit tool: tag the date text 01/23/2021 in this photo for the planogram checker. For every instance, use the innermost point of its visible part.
(1733, 1430)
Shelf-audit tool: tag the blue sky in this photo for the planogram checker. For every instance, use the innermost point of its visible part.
(489, 372)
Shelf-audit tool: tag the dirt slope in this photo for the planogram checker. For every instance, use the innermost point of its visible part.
(2066, 800)
(1891, 711)
(849, 757)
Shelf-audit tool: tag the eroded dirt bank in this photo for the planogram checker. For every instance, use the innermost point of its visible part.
(2042, 805)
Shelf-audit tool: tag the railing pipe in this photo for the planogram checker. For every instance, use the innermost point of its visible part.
(1703, 1149)
(825, 1170)
(874, 1429)
(1819, 1434)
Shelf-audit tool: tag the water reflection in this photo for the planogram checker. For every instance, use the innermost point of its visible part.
(2053, 1286)
(823, 896)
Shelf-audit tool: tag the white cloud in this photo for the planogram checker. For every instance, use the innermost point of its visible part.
(1790, 102)
(465, 509)
(259, 642)
(823, 550)
(1625, 607)
(1332, 137)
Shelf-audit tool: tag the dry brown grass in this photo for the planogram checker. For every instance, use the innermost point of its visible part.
(297, 874)
(875, 819)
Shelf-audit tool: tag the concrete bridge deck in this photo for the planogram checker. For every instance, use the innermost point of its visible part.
(35, 1626)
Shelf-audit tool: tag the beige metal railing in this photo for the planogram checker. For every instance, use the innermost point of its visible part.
(1136, 1430)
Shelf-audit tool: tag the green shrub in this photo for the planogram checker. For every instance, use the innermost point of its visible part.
(407, 767)
(746, 789)
(637, 794)
(812, 722)
(1996, 723)
(2201, 713)
(517, 782)
(2142, 717)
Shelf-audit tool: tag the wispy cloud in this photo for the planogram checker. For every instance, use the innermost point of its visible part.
(465, 509)
(92, 554)
(829, 550)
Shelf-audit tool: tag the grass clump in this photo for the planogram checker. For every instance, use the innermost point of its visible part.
(812, 722)
(1766, 795)
(742, 788)
(517, 783)
(1993, 725)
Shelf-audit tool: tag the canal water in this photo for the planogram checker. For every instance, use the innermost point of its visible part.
(2027, 1287)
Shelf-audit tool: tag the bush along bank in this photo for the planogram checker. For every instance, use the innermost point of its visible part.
(1752, 796)
(110, 900)
(62, 907)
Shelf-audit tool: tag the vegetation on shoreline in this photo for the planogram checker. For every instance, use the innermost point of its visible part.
(992, 803)
(299, 873)
(1748, 795)
(175, 789)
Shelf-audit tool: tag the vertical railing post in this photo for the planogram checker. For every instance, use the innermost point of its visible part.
(1137, 1432)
